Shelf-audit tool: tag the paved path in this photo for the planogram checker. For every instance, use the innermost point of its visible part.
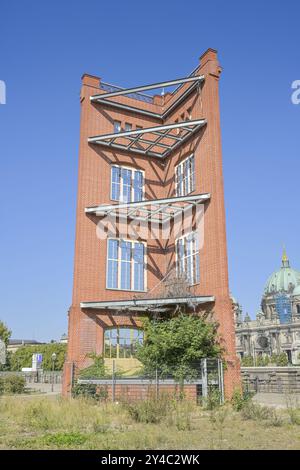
(45, 388)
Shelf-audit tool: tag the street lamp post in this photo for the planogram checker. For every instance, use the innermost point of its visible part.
(53, 357)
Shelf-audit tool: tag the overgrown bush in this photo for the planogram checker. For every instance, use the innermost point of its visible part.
(263, 361)
(213, 399)
(247, 361)
(257, 412)
(239, 399)
(13, 384)
(151, 410)
(293, 410)
(183, 415)
(281, 359)
(174, 346)
(1, 385)
(94, 371)
(96, 392)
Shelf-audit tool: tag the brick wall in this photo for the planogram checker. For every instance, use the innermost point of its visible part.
(85, 329)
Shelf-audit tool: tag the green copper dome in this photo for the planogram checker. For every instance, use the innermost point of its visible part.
(296, 291)
(286, 279)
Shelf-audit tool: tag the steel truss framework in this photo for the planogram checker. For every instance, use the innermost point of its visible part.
(156, 210)
(143, 305)
(146, 112)
(158, 141)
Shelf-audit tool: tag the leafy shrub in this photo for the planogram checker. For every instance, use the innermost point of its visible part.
(1, 385)
(174, 346)
(96, 392)
(279, 359)
(247, 361)
(151, 410)
(292, 407)
(213, 399)
(14, 384)
(94, 371)
(262, 361)
(239, 399)
(258, 412)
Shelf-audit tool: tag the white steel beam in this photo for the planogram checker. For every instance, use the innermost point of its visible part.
(114, 135)
(105, 208)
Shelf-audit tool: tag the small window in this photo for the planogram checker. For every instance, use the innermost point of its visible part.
(117, 127)
(185, 177)
(128, 126)
(187, 257)
(127, 184)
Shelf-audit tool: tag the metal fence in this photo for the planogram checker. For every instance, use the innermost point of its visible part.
(37, 377)
(209, 378)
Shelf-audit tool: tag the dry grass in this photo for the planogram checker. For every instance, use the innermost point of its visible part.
(45, 423)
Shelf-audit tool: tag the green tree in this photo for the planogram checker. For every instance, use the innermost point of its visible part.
(95, 370)
(174, 346)
(5, 333)
(23, 356)
(247, 361)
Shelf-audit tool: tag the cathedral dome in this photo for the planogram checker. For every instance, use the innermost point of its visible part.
(296, 291)
(285, 279)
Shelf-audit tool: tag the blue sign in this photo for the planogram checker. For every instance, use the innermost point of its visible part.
(39, 358)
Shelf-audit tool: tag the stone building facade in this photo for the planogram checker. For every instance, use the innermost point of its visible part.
(276, 328)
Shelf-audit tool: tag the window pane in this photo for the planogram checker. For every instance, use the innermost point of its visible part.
(115, 183)
(126, 180)
(128, 126)
(121, 342)
(138, 186)
(125, 265)
(117, 126)
(138, 266)
(113, 249)
(185, 177)
(112, 274)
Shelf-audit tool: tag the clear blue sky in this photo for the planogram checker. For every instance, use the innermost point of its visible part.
(45, 47)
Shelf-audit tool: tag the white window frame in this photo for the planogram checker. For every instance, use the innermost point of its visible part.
(195, 253)
(188, 181)
(133, 170)
(116, 122)
(119, 260)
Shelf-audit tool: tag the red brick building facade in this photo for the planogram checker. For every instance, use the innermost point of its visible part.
(145, 166)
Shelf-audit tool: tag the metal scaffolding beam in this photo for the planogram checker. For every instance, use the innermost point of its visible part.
(157, 210)
(153, 86)
(147, 304)
(132, 140)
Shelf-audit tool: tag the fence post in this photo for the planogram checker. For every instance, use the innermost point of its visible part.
(204, 377)
(113, 390)
(156, 384)
(221, 380)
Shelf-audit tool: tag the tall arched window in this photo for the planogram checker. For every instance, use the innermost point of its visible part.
(121, 342)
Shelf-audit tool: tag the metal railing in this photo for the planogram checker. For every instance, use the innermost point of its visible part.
(137, 96)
